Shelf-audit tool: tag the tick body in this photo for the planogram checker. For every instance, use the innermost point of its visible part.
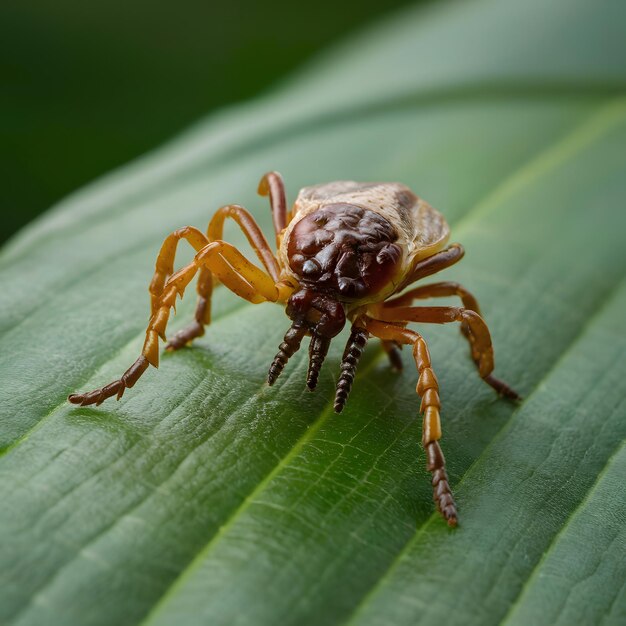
(346, 252)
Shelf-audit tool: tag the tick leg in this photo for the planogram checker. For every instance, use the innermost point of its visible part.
(165, 268)
(215, 232)
(435, 263)
(250, 229)
(428, 390)
(165, 259)
(439, 290)
(392, 348)
(477, 334)
(272, 185)
(220, 259)
(351, 355)
(436, 290)
(202, 315)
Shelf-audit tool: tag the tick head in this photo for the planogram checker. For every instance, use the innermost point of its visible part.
(344, 250)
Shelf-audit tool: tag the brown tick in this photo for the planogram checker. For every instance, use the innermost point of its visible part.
(342, 251)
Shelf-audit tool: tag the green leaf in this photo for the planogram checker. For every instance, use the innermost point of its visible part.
(207, 497)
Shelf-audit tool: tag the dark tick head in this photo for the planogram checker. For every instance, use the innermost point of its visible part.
(344, 251)
(340, 253)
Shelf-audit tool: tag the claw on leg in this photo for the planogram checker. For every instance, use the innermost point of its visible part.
(185, 336)
(502, 388)
(217, 257)
(442, 494)
(116, 388)
(201, 318)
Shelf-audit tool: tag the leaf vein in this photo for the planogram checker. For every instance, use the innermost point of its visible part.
(519, 598)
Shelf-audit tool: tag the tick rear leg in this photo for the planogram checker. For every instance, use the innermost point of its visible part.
(220, 259)
(428, 390)
(163, 270)
(438, 290)
(477, 334)
(441, 290)
(272, 185)
(392, 348)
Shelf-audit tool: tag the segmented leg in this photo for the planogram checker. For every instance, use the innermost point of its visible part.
(223, 261)
(351, 355)
(165, 259)
(318, 349)
(272, 184)
(165, 268)
(289, 346)
(428, 390)
(215, 232)
(477, 335)
(435, 263)
(439, 290)
(202, 315)
(436, 290)
(250, 229)
(392, 349)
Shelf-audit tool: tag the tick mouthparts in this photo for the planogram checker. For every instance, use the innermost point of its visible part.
(318, 349)
(289, 346)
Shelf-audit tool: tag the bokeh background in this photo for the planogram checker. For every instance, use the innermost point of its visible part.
(88, 86)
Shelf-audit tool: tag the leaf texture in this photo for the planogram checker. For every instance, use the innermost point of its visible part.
(205, 497)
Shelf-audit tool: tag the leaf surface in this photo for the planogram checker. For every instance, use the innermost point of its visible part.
(207, 497)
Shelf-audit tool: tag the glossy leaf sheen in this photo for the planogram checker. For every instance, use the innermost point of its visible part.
(207, 497)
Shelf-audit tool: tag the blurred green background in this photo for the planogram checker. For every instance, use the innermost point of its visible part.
(87, 86)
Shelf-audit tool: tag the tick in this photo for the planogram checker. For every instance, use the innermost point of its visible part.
(343, 253)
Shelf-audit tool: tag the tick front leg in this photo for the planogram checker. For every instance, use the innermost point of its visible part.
(165, 268)
(220, 259)
(215, 232)
(428, 390)
(351, 355)
(167, 255)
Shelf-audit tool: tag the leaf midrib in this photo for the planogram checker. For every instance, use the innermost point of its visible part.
(465, 221)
